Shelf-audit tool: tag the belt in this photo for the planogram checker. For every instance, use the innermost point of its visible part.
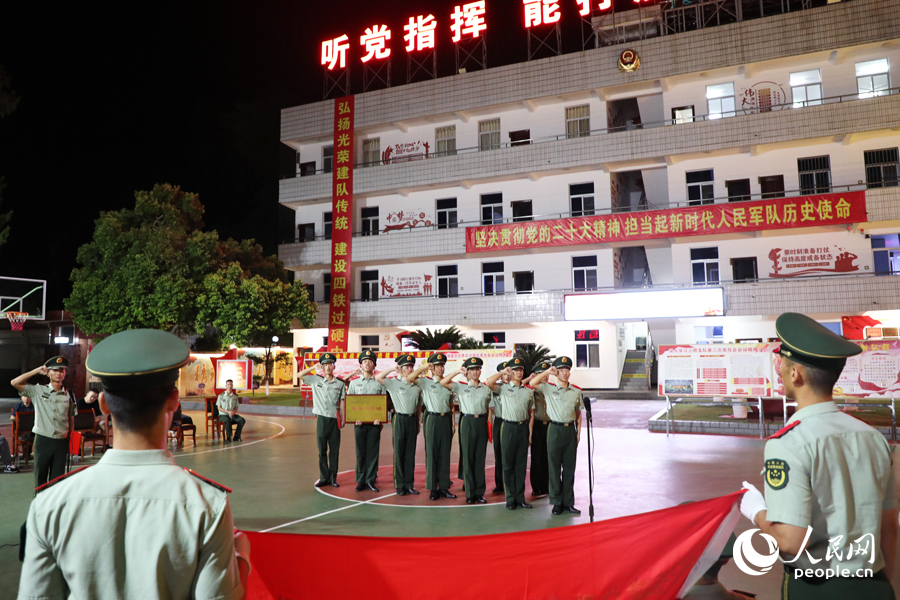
(515, 422)
(474, 416)
(496, 418)
(569, 424)
(400, 414)
(437, 414)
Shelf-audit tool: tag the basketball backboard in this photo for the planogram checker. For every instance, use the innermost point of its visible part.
(23, 295)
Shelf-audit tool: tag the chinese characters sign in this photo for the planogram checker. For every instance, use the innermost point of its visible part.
(791, 262)
(716, 370)
(781, 213)
(342, 225)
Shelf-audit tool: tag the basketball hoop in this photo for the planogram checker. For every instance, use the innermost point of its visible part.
(16, 319)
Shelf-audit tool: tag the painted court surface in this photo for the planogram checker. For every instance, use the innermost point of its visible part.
(273, 470)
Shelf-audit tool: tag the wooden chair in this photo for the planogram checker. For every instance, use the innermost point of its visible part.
(22, 426)
(212, 418)
(83, 425)
(94, 437)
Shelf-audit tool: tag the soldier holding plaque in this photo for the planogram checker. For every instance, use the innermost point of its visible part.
(368, 435)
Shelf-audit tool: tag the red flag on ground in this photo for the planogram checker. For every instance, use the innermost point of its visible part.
(75, 443)
(656, 555)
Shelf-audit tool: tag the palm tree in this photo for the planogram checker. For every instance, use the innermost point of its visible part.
(470, 343)
(534, 356)
(426, 340)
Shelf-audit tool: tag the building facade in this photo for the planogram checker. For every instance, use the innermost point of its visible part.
(798, 112)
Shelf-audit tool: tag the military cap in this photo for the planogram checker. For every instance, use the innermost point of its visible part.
(138, 359)
(57, 362)
(367, 354)
(501, 366)
(563, 362)
(809, 343)
(405, 359)
(540, 368)
(473, 363)
(326, 358)
(516, 363)
(438, 359)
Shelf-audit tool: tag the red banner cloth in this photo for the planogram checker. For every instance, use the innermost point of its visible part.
(75, 443)
(342, 225)
(655, 555)
(780, 213)
(853, 326)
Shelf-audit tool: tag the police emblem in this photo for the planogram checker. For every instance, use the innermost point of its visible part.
(777, 473)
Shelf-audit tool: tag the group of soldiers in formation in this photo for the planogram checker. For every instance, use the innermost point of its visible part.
(514, 410)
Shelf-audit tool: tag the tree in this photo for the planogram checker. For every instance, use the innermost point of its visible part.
(534, 356)
(470, 343)
(426, 340)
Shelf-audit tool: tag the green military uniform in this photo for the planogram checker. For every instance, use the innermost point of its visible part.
(367, 435)
(496, 426)
(830, 471)
(52, 410)
(89, 534)
(563, 409)
(327, 396)
(438, 429)
(229, 402)
(405, 397)
(539, 471)
(518, 402)
(473, 404)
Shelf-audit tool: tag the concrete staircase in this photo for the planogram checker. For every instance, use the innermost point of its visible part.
(633, 384)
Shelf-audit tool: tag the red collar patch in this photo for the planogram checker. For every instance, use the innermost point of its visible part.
(53, 482)
(209, 481)
(783, 431)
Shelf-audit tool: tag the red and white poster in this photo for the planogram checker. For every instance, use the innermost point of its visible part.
(407, 218)
(806, 260)
(405, 152)
(392, 286)
(742, 370)
(342, 225)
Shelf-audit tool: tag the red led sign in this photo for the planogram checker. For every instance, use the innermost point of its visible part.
(587, 334)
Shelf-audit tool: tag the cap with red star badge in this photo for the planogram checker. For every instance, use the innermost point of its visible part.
(563, 362)
(809, 343)
(438, 359)
(57, 362)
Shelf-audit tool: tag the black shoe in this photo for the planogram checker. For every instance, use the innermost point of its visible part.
(572, 509)
(228, 441)
(480, 500)
(557, 510)
(446, 494)
(434, 495)
(511, 505)
(321, 483)
(360, 487)
(335, 484)
(537, 493)
(372, 488)
(470, 500)
(412, 491)
(497, 490)
(525, 505)
(238, 440)
(401, 492)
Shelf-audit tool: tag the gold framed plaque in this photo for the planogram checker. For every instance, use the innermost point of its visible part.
(366, 408)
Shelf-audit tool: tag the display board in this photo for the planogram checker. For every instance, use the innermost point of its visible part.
(743, 370)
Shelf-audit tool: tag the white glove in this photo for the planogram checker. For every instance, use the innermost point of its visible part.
(752, 502)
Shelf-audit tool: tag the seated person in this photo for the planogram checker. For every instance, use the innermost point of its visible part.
(228, 402)
(24, 405)
(6, 457)
(179, 419)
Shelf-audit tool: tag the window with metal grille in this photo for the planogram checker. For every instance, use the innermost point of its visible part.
(882, 167)
(700, 187)
(371, 152)
(578, 121)
(491, 209)
(489, 134)
(311, 292)
(581, 199)
(446, 213)
(448, 283)
(445, 138)
(327, 158)
(584, 272)
(492, 277)
(815, 174)
(873, 78)
(522, 137)
(326, 225)
(369, 283)
(369, 217)
(806, 88)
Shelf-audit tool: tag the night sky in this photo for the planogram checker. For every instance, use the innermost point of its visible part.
(187, 93)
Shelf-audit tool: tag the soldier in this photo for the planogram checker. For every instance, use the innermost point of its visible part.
(829, 480)
(564, 402)
(539, 471)
(228, 403)
(90, 533)
(404, 427)
(54, 406)
(496, 425)
(368, 435)
(328, 391)
(517, 401)
(474, 398)
(439, 425)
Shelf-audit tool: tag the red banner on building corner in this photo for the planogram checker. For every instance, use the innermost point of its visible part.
(342, 225)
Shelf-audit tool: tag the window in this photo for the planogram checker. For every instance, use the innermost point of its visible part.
(886, 252)
(521, 210)
(521, 348)
(720, 100)
(326, 288)
(446, 140)
(369, 220)
(578, 121)
(581, 199)
(306, 232)
(815, 174)
(709, 334)
(371, 152)
(738, 190)
(369, 282)
(492, 277)
(307, 168)
(587, 351)
(448, 284)
(489, 134)
(522, 137)
(700, 187)
(326, 224)
(327, 158)
(882, 168)
(705, 265)
(743, 270)
(368, 342)
(325, 341)
(584, 272)
(772, 186)
(491, 209)
(446, 213)
(524, 282)
(497, 338)
(873, 78)
(311, 292)
(806, 88)
(683, 114)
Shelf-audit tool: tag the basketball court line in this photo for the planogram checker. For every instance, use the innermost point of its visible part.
(242, 445)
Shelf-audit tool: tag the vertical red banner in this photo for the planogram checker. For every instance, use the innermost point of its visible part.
(342, 225)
